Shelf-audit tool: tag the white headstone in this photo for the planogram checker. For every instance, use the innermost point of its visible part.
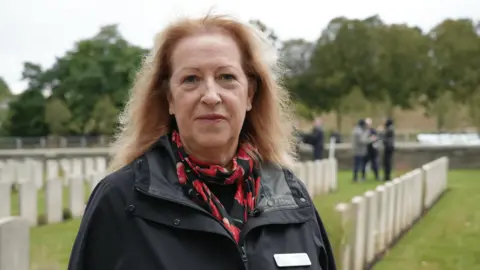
(101, 164)
(77, 196)
(28, 202)
(358, 210)
(14, 244)
(5, 199)
(52, 169)
(54, 201)
(77, 169)
(371, 228)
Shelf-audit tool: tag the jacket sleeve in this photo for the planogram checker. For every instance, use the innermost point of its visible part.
(325, 257)
(99, 240)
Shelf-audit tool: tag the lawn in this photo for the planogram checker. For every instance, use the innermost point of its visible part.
(346, 191)
(448, 237)
(450, 245)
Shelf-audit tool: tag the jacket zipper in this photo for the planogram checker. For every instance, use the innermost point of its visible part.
(240, 247)
(244, 256)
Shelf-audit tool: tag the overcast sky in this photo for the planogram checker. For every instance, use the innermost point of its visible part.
(40, 30)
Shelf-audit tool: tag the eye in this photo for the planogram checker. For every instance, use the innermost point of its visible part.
(227, 77)
(190, 79)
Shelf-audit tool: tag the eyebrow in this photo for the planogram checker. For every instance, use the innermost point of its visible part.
(198, 69)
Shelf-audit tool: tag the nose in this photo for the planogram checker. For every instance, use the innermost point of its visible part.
(211, 96)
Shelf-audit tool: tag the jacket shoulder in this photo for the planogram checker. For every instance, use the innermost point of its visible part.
(281, 177)
(121, 178)
(101, 230)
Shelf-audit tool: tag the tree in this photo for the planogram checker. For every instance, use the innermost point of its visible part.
(26, 112)
(403, 63)
(337, 67)
(295, 56)
(474, 108)
(26, 115)
(103, 119)
(4, 90)
(456, 49)
(101, 66)
(57, 117)
(5, 96)
(269, 33)
(34, 75)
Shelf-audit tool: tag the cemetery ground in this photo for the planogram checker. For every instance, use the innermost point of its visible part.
(446, 238)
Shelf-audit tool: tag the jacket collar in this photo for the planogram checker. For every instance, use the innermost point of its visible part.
(155, 175)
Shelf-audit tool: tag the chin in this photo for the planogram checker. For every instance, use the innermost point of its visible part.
(212, 140)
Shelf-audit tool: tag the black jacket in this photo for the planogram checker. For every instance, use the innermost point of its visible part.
(372, 147)
(316, 139)
(389, 137)
(138, 218)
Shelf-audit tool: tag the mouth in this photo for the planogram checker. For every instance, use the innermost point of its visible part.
(212, 117)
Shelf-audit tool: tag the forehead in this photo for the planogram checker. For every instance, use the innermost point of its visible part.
(206, 50)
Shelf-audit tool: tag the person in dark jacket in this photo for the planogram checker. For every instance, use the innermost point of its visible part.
(316, 139)
(372, 149)
(336, 136)
(200, 176)
(388, 148)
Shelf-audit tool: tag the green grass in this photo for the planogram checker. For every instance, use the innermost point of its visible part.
(447, 238)
(346, 191)
(50, 245)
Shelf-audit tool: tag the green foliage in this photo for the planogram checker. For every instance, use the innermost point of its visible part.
(57, 116)
(103, 119)
(474, 108)
(392, 64)
(26, 115)
(353, 64)
(4, 90)
(88, 86)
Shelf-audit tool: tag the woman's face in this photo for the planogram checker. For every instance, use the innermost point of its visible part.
(209, 91)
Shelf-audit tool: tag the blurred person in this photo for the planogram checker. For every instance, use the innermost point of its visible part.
(372, 149)
(388, 138)
(359, 147)
(336, 136)
(316, 139)
(200, 176)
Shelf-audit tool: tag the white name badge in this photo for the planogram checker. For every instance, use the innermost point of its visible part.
(292, 259)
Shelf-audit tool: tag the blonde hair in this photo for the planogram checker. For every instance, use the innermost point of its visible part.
(146, 117)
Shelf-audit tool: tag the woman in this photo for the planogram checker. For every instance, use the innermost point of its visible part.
(200, 175)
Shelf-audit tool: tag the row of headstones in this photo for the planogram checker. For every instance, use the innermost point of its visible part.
(371, 223)
(40, 171)
(53, 187)
(319, 176)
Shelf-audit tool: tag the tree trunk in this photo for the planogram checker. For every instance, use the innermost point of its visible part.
(339, 119)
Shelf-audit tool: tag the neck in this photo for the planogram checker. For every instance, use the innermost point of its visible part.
(213, 155)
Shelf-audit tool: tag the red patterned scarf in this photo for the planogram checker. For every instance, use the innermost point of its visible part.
(195, 175)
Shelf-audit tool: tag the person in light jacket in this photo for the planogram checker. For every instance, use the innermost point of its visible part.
(361, 139)
(200, 174)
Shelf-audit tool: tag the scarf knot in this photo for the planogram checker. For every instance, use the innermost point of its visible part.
(194, 175)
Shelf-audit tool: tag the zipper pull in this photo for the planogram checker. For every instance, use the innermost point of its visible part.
(244, 255)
